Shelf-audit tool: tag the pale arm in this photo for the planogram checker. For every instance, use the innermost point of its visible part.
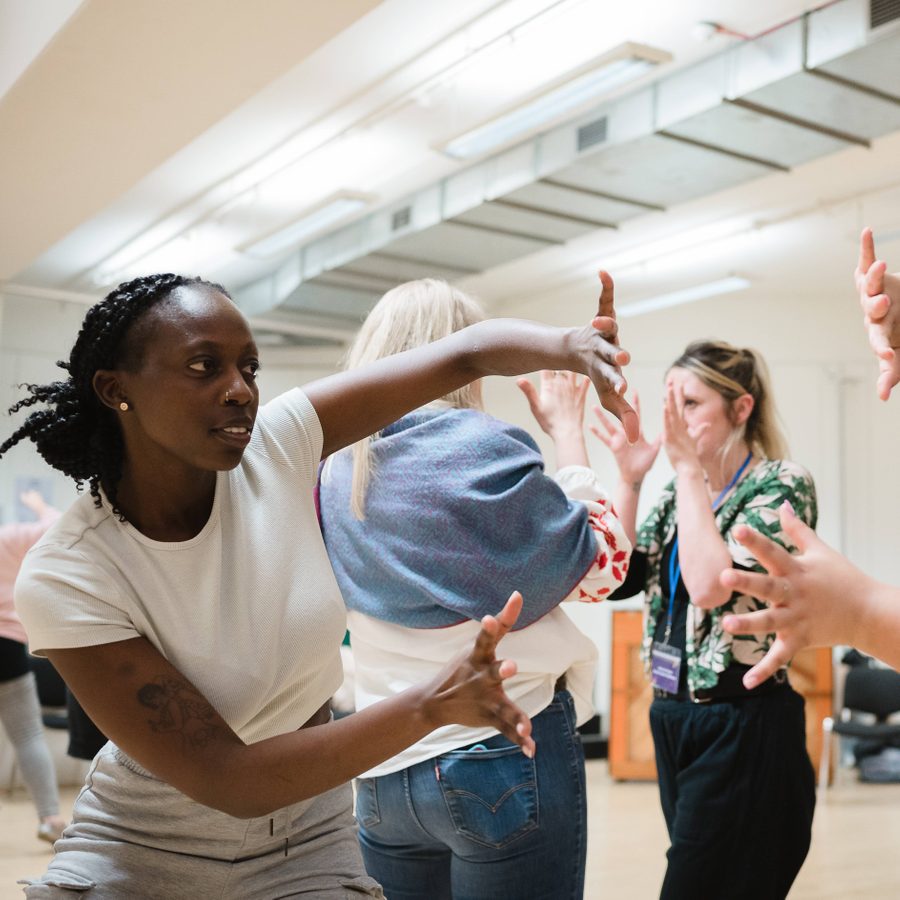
(702, 552)
(355, 404)
(817, 598)
(150, 710)
(634, 460)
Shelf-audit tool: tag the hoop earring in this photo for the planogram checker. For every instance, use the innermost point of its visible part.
(124, 406)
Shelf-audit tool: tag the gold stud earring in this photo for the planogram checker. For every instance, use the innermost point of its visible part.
(124, 406)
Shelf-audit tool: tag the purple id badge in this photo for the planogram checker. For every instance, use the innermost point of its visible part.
(665, 667)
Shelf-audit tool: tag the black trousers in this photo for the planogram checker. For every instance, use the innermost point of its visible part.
(738, 793)
(13, 659)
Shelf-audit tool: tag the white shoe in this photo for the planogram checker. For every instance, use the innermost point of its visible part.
(49, 832)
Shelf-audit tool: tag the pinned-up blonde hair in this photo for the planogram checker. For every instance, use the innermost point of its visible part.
(732, 372)
(408, 316)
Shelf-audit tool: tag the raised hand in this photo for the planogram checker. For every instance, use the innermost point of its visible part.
(35, 501)
(599, 345)
(469, 691)
(634, 459)
(559, 405)
(559, 410)
(812, 595)
(680, 442)
(879, 297)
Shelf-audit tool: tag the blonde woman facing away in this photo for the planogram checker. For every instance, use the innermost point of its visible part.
(726, 756)
(425, 523)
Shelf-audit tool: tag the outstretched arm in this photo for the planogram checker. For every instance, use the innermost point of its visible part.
(816, 598)
(355, 404)
(879, 297)
(634, 460)
(150, 710)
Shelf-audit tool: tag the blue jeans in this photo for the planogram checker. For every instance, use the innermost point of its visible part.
(483, 821)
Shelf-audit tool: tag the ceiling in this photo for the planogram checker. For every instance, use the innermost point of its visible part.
(160, 134)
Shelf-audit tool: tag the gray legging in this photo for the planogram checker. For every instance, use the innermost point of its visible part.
(20, 712)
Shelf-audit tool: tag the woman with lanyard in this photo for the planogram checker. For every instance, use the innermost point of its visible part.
(727, 757)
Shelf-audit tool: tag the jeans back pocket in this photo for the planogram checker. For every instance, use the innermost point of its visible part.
(491, 794)
(367, 812)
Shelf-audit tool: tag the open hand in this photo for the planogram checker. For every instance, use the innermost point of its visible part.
(680, 441)
(634, 459)
(559, 405)
(810, 594)
(879, 297)
(469, 691)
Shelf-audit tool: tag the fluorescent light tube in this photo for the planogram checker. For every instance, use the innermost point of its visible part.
(553, 105)
(687, 295)
(320, 218)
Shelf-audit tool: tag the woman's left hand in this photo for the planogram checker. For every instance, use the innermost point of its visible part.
(559, 405)
(679, 441)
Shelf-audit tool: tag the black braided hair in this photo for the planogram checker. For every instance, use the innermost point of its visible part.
(75, 433)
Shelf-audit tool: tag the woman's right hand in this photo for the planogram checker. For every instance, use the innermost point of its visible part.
(469, 691)
(633, 459)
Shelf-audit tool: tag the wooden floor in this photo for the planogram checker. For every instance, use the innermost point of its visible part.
(855, 851)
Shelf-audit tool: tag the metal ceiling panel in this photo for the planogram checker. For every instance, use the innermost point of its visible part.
(517, 217)
(829, 106)
(457, 245)
(386, 267)
(842, 44)
(336, 301)
(807, 89)
(556, 194)
(741, 130)
(662, 170)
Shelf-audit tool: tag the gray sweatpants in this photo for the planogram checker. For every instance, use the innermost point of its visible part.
(20, 712)
(134, 836)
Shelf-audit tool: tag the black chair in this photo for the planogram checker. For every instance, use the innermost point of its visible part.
(871, 690)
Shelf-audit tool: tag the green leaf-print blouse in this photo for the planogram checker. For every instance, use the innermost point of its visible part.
(755, 501)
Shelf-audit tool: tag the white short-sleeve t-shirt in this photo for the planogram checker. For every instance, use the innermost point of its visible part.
(248, 610)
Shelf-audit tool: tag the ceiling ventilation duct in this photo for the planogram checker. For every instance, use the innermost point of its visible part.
(817, 85)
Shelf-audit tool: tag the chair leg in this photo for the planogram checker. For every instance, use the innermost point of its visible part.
(825, 755)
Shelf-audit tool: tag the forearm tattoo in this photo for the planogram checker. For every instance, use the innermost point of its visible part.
(179, 708)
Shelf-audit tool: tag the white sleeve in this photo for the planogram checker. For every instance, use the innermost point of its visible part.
(610, 565)
(289, 433)
(65, 601)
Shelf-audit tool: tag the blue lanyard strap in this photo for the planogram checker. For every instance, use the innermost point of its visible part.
(675, 564)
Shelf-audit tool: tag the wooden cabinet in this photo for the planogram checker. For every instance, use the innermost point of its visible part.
(630, 745)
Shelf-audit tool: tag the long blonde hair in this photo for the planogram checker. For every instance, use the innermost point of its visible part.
(408, 316)
(731, 372)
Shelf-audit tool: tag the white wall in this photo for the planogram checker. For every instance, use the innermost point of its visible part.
(34, 334)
